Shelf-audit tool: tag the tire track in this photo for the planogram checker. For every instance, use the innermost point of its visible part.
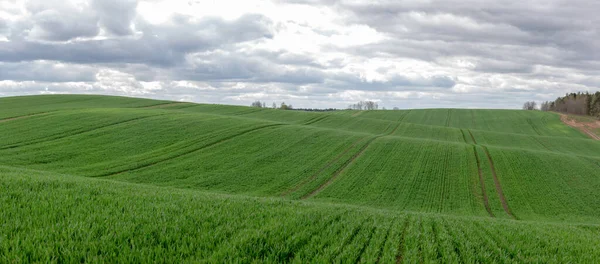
(187, 152)
(404, 116)
(346, 165)
(530, 122)
(540, 142)
(482, 184)
(464, 137)
(22, 117)
(472, 137)
(315, 120)
(246, 112)
(497, 183)
(448, 116)
(162, 105)
(316, 174)
(70, 134)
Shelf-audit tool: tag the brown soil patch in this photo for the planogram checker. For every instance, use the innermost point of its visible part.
(581, 126)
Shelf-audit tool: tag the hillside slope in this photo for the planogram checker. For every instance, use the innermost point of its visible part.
(60, 218)
(473, 165)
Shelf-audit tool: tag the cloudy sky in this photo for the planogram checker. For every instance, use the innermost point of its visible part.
(308, 53)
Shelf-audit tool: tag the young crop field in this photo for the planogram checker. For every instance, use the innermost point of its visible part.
(113, 179)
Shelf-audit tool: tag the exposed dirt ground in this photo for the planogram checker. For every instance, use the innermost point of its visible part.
(585, 127)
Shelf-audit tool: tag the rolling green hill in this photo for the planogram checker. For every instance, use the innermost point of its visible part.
(98, 178)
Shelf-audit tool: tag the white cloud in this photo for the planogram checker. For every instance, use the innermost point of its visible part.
(309, 53)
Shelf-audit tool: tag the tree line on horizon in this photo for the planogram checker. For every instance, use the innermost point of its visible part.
(574, 103)
(362, 105)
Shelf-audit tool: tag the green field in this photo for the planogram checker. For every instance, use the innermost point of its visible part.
(114, 179)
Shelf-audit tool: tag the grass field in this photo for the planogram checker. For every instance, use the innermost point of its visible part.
(113, 179)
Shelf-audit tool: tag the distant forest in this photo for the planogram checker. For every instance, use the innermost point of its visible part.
(575, 103)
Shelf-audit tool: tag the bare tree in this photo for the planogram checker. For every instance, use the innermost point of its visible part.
(364, 105)
(257, 103)
(529, 105)
(545, 106)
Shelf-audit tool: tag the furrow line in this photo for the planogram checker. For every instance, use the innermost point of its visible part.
(385, 238)
(365, 245)
(400, 251)
(189, 151)
(348, 240)
(497, 183)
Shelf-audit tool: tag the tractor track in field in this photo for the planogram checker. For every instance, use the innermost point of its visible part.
(62, 136)
(241, 113)
(315, 120)
(404, 116)
(464, 137)
(162, 105)
(316, 174)
(486, 202)
(540, 142)
(530, 122)
(472, 137)
(22, 117)
(346, 164)
(498, 186)
(448, 116)
(218, 142)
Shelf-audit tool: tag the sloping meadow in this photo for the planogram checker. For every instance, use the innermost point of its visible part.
(243, 183)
